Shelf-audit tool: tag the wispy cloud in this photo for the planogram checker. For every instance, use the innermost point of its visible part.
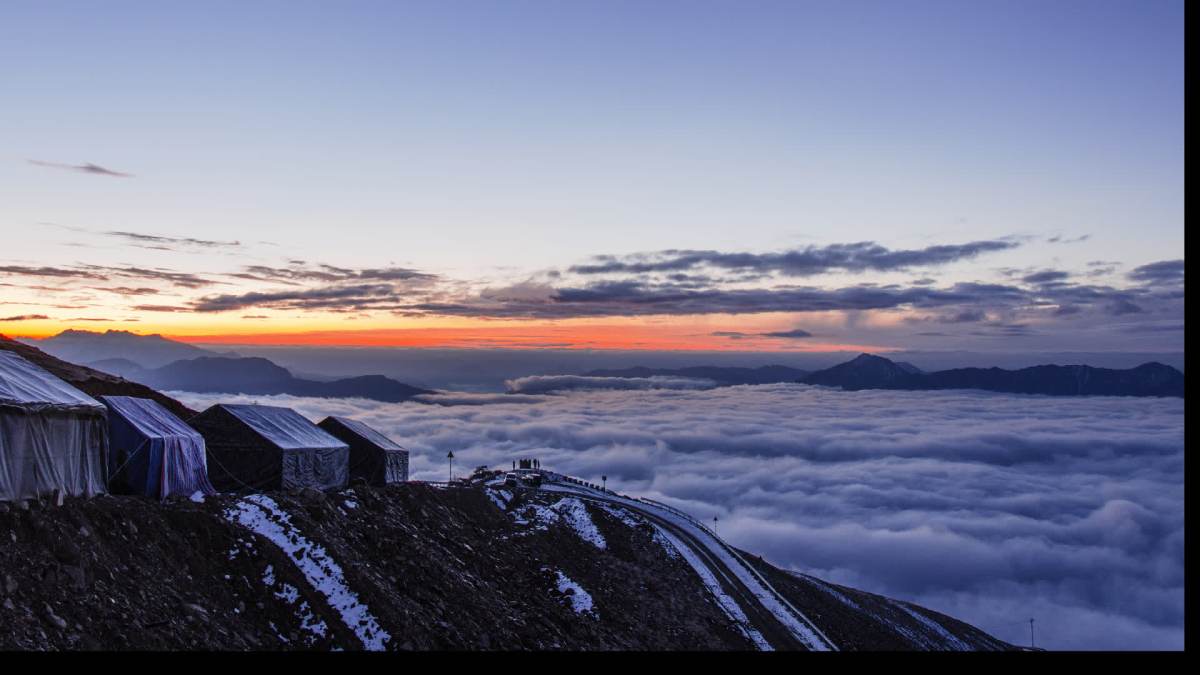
(1060, 239)
(89, 168)
(52, 272)
(159, 308)
(1164, 272)
(794, 334)
(329, 298)
(330, 273)
(109, 272)
(169, 243)
(24, 317)
(813, 260)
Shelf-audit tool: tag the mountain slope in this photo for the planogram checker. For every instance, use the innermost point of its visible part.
(868, 371)
(218, 374)
(406, 566)
(147, 351)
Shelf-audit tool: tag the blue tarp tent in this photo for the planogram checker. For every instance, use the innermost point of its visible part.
(52, 436)
(152, 452)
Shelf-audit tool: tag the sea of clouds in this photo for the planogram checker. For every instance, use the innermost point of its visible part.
(993, 508)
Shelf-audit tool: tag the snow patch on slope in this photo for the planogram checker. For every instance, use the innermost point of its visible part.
(950, 642)
(830, 590)
(568, 510)
(574, 513)
(500, 498)
(581, 600)
(261, 515)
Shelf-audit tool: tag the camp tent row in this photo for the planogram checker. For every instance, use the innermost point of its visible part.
(55, 438)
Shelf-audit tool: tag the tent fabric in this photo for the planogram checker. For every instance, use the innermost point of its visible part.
(366, 432)
(264, 447)
(153, 452)
(374, 457)
(285, 428)
(25, 384)
(53, 437)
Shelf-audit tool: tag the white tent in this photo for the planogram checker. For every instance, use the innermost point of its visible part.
(52, 436)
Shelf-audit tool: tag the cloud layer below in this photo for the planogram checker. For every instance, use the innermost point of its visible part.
(545, 384)
(990, 507)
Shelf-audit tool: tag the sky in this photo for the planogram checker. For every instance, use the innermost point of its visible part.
(736, 176)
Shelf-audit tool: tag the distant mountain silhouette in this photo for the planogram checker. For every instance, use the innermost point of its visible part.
(722, 375)
(868, 371)
(123, 367)
(147, 351)
(219, 374)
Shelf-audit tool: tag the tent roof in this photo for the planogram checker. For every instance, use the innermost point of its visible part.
(23, 383)
(149, 418)
(367, 433)
(286, 428)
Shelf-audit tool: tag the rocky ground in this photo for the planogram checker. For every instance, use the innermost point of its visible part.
(437, 568)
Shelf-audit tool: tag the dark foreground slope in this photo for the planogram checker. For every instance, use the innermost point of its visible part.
(91, 381)
(432, 568)
(438, 569)
(856, 620)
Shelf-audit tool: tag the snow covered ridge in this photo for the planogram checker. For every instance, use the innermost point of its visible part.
(568, 510)
(261, 515)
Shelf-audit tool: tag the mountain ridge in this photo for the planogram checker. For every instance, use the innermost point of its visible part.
(260, 376)
(148, 351)
(869, 371)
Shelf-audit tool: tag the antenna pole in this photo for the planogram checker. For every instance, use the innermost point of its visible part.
(1031, 645)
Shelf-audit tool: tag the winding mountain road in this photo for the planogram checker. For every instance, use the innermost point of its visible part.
(780, 624)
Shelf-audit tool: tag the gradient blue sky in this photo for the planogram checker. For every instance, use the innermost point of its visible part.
(491, 141)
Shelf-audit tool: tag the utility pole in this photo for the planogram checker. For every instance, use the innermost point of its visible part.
(450, 456)
(1031, 645)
